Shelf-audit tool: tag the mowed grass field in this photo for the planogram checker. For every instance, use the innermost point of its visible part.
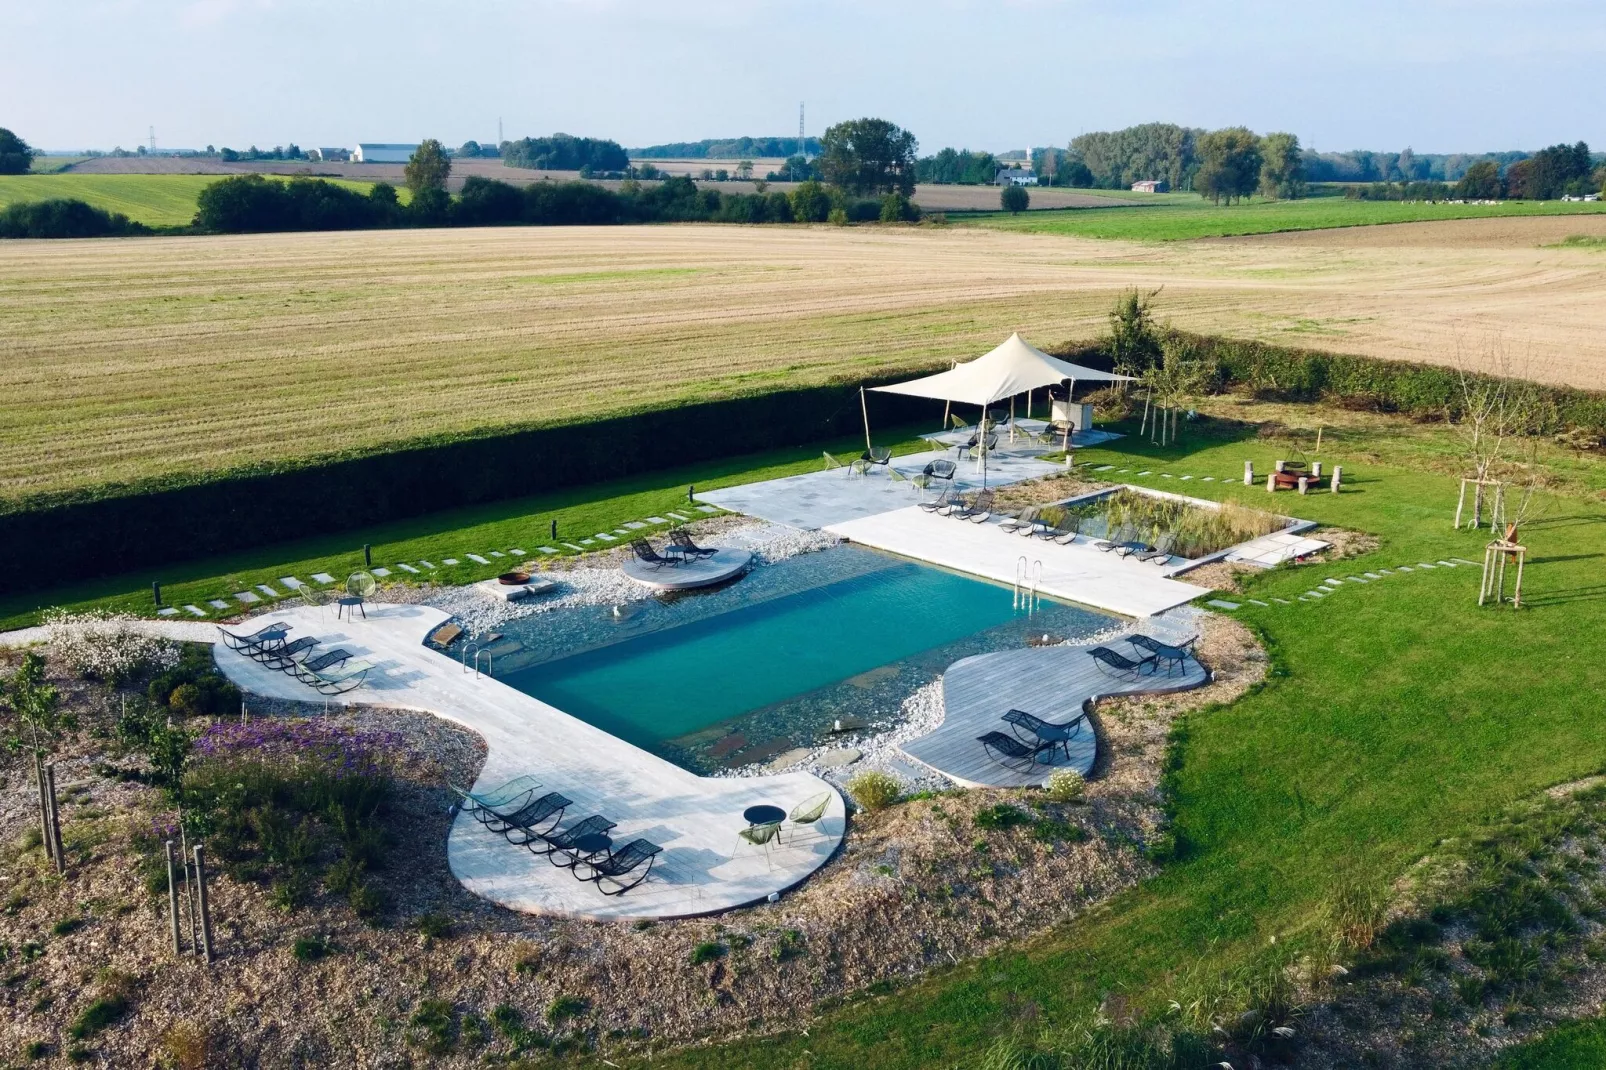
(1184, 216)
(155, 200)
(135, 358)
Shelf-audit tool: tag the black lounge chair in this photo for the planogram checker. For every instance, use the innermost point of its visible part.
(977, 510)
(245, 644)
(526, 817)
(650, 557)
(942, 503)
(619, 864)
(1135, 548)
(1008, 751)
(1069, 528)
(682, 539)
(941, 469)
(1163, 653)
(304, 669)
(509, 796)
(1119, 664)
(1059, 735)
(282, 655)
(563, 841)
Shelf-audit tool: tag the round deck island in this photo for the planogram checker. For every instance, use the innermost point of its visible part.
(723, 564)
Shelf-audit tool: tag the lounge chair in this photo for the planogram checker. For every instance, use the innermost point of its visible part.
(1042, 731)
(330, 684)
(1027, 517)
(941, 504)
(1008, 751)
(978, 510)
(619, 864)
(809, 811)
(1069, 528)
(515, 793)
(245, 644)
(1133, 548)
(683, 542)
(1163, 653)
(1161, 554)
(761, 836)
(324, 662)
(282, 655)
(650, 557)
(1118, 664)
(561, 844)
(524, 817)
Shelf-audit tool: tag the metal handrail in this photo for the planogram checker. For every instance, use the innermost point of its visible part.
(476, 648)
(487, 655)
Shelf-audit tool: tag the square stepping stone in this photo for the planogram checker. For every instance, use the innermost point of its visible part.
(1258, 602)
(1281, 601)
(517, 552)
(1406, 568)
(497, 553)
(408, 568)
(635, 525)
(1449, 564)
(1144, 473)
(1464, 561)
(1372, 576)
(1208, 479)
(1306, 598)
(380, 572)
(604, 536)
(708, 508)
(269, 591)
(1220, 604)
(449, 561)
(1386, 571)
(218, 603)
(1167, 475)
(587, 542)
(291, 582)
(323, 577)
(1318, 593)
(248, 596)
(1330, 580)
(573, 546)
(478, 560)
(1187, 477)
(547, 549)
(620, 531)
(428, 564)
(167, 611)
(1424, 564)
(195, 611)
(656, 520)
(1356, 579)
(1123, 469)
(677, 516)
(1105, 468)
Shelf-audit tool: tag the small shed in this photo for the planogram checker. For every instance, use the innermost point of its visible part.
(1151, 185)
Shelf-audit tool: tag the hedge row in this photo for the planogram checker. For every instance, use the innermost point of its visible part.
(138, 526)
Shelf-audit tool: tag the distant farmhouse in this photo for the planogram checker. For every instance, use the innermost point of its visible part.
(371, 152)
(1015, 176)
(329, 155)
(1151, 185)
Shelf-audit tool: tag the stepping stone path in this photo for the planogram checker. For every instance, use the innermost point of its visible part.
(1448, 564)
(450, 561)
(1407, 568)
(248, 596)
(323, 577)
(381, 572)
(1464, 561)
(573, 546)
(1187, 477)
(1143, 473)
(517, 553)
(604, 536)
(1209, 479)
(196, 611)
(428, 565)
(1318, 593)
(1281, 601)
(1424, 564)
(497, 553)
(1372, 576)
(636, 525)
(478, 560)
(269, 591)
(656, 520)
(587, 542)
(1106, 468)
(788, 760)
(708, 508)
(167, 611)
(1258, 602)
(1219, 604)
(408, 568)
(291, 582)
(547, 549)
(218, 603)
(677, 516)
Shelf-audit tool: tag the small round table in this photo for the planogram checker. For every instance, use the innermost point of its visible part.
(763, 815)
(588, 847)
(349, 603)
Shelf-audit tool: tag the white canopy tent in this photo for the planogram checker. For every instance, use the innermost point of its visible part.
(1015, 367)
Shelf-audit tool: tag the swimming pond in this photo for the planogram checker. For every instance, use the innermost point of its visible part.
(744, 672)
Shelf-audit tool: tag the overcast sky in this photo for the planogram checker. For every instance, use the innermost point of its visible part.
(1436, 75)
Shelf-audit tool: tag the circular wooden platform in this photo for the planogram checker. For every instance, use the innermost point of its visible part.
(716, 568)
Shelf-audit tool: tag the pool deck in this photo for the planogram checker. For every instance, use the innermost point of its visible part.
(1053, 683)
(704, 868)
(1075, 573)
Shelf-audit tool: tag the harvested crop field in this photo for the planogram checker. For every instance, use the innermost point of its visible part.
(135, 357)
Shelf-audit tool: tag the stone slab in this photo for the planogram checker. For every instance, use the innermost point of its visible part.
(323, 577)
(247, 596)
(839, 758)
(195, 611)
(478, 560)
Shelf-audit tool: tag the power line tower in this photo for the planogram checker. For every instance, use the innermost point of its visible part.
(802, 142)
(153, 140)
(499, 131)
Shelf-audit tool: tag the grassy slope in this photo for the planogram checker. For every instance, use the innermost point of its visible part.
(155, 200)
(1581, 1046)
(1400, 713)
(1193, 217)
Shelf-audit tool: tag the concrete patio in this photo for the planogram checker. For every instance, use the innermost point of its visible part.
(704, 868)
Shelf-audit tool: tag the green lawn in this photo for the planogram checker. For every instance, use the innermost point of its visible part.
(1580, 1046)
(1189, 216)
(155, 200)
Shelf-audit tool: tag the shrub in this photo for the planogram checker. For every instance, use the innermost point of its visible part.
(66, 926)
(1357, 911)
(102, 645)
(191, 1047)
(875, 790)
(436, 1026)
(788, 945)
(64, 218)
(564, 1007)
(1002, 816)
(35, 1049)
(312, 948)
(1065, 786)
(432, 926)
(97, 1016)
(707, 951)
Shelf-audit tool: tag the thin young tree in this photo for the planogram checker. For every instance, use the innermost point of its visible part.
(35, 706)
(1499, 404)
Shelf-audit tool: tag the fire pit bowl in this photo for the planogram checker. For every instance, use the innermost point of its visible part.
(513, 579)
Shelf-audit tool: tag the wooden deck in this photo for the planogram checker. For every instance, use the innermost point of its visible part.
(1052, 683)
(718, 567)
(703, 868)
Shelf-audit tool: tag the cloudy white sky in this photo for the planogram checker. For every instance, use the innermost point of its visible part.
(1437, 75)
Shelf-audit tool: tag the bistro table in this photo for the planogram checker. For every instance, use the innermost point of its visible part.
(587, 848)
(763, 815)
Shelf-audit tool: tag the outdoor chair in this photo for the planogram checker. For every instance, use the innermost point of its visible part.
(1043, 731)
(1161, 554)
(809, 811)
(919, 482)
(761, 836)
(515, 792)
(360, 586)
(1166, 654)
(527, 819)
(941, 504)
(650, 557)
(831, 462)
(969, 444)
(245, 644)
(878, 455)
(332, 684)
(620, 864)
(858, 466)
(1010, 752)
(978, 510)
(941, 469)
(1069, 528)
(956, 424)
(1133, 548)
(1028, 516)
(324, 662)
(282, 655)
(561, 844)
(1118, 664)
(683, 542)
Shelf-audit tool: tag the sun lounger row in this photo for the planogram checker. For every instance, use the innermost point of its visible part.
(527, 819)
(1035, 741)
(977, 509)
(678, 551)
(329, 673)
(1151, 653)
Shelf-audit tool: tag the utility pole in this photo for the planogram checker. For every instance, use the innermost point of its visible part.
(153, 141)
(498, 131)
(802, 142)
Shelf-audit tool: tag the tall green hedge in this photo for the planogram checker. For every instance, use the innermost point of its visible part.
(66, 537)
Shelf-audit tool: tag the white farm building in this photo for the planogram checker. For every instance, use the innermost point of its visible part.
(374, 152)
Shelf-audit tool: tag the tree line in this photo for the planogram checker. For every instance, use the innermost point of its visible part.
(733, 148)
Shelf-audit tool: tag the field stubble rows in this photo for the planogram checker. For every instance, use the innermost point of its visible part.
(133, 358)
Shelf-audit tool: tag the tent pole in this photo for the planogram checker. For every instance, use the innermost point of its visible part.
(1012, 418)
(865, 409)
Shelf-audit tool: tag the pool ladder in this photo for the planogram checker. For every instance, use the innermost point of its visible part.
(478, 653)
(1027, 579)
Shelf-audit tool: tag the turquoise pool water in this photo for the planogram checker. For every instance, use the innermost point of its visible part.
(775, 658)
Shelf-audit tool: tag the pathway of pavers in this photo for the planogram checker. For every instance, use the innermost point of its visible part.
(1331, 585)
